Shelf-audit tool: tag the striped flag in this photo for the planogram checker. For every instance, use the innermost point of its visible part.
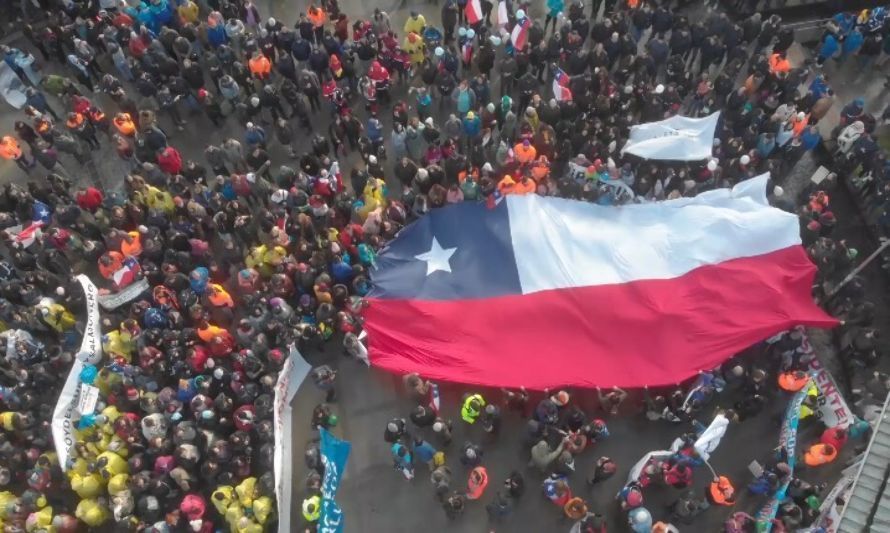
(24, 237)
(519, 36)
(561, 86)
(666, 268)
(503, 17)
(127, 273)
(473, 11)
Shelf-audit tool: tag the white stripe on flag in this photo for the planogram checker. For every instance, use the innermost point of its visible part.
(561, 243)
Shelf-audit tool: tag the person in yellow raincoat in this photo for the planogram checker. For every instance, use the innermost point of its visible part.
(158, 200)
(373, 195)
(255, 258)
(414, 46)
(118, 343)
(57, 317)
(92, 512)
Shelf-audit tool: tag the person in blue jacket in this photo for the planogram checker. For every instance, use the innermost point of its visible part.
(828, 49)
(851, 44)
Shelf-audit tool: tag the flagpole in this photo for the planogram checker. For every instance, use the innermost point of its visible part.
(711, 468)
(833, 292)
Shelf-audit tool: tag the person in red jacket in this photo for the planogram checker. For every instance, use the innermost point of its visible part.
(836, 436)
(89, 199)
(170, 161)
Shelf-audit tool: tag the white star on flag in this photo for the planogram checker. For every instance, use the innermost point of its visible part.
(437, 258)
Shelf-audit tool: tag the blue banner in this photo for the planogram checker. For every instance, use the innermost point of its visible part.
(334, 453)
(787, 442)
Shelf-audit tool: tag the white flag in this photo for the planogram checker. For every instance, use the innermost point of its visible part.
(673, 139)
(709, 439)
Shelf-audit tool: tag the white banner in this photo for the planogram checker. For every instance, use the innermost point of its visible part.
(833, 410)
(710, 438)
(112, 301)
(829, 514)
(292, 374)
(69, 399)
(637, 469)
(673, 139)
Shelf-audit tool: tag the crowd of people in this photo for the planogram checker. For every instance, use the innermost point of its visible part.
(244, 256)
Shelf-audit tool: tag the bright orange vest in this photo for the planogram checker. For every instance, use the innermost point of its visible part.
(792, 383)
(317, 16)
(523, 154)
(133, 247)
(529, 187)
(124, 124)
(260, 65)
(820, 454)
(117, 261)
(722, 491)
(778, 64)
(219, 297)
(9, 148)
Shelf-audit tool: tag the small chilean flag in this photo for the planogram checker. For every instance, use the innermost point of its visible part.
(561, 86)
(519, 36)
(127, 273)
(25, 236)
(548, 292)
(473, 12)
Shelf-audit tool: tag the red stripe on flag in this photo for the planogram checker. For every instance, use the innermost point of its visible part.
(473, 11)
(647, 332)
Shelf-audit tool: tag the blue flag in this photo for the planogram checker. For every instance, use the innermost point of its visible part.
(334, 453)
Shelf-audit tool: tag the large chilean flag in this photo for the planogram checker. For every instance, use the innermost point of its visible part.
(546, 292)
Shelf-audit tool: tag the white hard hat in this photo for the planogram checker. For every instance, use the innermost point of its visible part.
(520, 14)
(745, 159)
(440, 51)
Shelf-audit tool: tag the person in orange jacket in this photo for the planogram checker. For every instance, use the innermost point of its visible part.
(131, 245)
(124, 124)
(10, 149)
(524, 152)
(793, 380)
(799, 122)
(721, 492)
(109, 263)
(260, 66)
(506, 185)
(525, 185)
(819, 454)
(779, 64)
(317, 17)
